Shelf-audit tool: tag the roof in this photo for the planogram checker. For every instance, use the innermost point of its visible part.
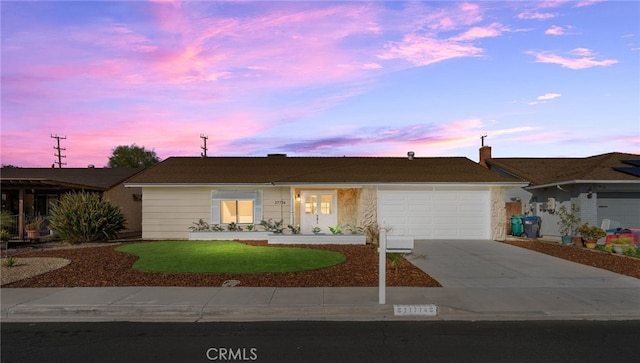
(290, 170)
(613, 166)
(73, 178)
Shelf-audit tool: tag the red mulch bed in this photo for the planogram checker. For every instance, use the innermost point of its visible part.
(623, 265)
(103, 266)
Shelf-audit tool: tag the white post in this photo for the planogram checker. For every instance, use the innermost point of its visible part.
(382, 268)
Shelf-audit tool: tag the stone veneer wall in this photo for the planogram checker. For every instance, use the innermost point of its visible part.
(368, 213)
(498, 214)
(348, 206)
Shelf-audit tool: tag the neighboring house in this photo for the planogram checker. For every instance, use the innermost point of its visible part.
(603, 186)
(30, 192)
(447, 197)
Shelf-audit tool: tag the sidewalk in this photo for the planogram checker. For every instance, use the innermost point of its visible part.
(357, 304)
(482, 280)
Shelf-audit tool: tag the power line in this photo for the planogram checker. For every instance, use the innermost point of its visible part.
(59, 150)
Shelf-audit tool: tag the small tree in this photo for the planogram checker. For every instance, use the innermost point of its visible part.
(132, 157)
(85, 217)
(569, 220)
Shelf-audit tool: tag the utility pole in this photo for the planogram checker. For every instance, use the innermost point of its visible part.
(204, 139)
(59, 150)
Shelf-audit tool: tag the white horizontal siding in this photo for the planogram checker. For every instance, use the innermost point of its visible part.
(167, 213)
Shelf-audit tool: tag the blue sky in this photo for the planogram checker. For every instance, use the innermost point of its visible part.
(319, 78)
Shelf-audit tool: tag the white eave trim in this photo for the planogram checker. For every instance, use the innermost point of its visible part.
(584, 182)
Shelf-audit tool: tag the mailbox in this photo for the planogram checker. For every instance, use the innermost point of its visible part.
(401, 244)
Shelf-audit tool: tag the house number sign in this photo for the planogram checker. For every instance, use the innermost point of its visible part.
(404, 310)
(280, 202)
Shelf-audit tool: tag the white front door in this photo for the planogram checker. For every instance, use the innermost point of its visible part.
(319, 209)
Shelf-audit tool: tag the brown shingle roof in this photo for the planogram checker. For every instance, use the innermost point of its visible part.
(264, 170)
(85, 178)
(542, 171)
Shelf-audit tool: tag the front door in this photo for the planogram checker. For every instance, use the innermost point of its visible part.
(319, 209)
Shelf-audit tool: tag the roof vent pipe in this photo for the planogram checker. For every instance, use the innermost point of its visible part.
(410, 154)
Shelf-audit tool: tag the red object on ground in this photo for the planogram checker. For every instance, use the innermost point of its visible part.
(633, 236)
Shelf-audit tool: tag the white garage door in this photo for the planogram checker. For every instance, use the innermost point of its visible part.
(436, 214)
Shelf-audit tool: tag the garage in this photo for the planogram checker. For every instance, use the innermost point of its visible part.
(436, 214)
(620, 207)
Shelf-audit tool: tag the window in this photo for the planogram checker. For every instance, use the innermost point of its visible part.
(310, 205)
(237, 206)
(236, 211)
(325, 204)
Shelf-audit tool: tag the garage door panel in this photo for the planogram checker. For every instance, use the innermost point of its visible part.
(436, 214)
(625, 210)
(396, 209)
(417, 220)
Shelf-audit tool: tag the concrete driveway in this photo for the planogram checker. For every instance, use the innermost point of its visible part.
(488, 280)
(484, 263)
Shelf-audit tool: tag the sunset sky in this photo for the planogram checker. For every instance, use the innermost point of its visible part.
(318, 78)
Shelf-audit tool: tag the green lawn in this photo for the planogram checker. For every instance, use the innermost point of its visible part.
(226, 257)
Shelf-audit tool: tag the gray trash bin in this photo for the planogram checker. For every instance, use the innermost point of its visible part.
(531, 226)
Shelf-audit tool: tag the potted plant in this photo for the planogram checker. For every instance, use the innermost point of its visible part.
(591, 234)
(620, 244)
(568, 222)
(33, 228)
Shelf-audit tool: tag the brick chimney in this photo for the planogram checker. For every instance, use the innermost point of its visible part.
(485, 153)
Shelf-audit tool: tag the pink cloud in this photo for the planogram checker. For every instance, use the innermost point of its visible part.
(545, 97)
(219, 46)
(583, 3)
(536, 16)
(423, 50)
(555, 30)
(474, 33)
(471, 124)
(585, 60)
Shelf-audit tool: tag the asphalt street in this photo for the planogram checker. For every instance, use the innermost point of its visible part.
(413, 341)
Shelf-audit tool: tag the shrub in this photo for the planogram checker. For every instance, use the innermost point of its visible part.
(5, 220)
(85, 217)
(352, 228)
(200, 225)
(336, 230)
(294, 229)
(591, 233)
(394, 259)
(234, 227)
(4, 235)
(272, 226)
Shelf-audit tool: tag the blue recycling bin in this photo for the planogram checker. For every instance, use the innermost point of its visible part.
(531, 226)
